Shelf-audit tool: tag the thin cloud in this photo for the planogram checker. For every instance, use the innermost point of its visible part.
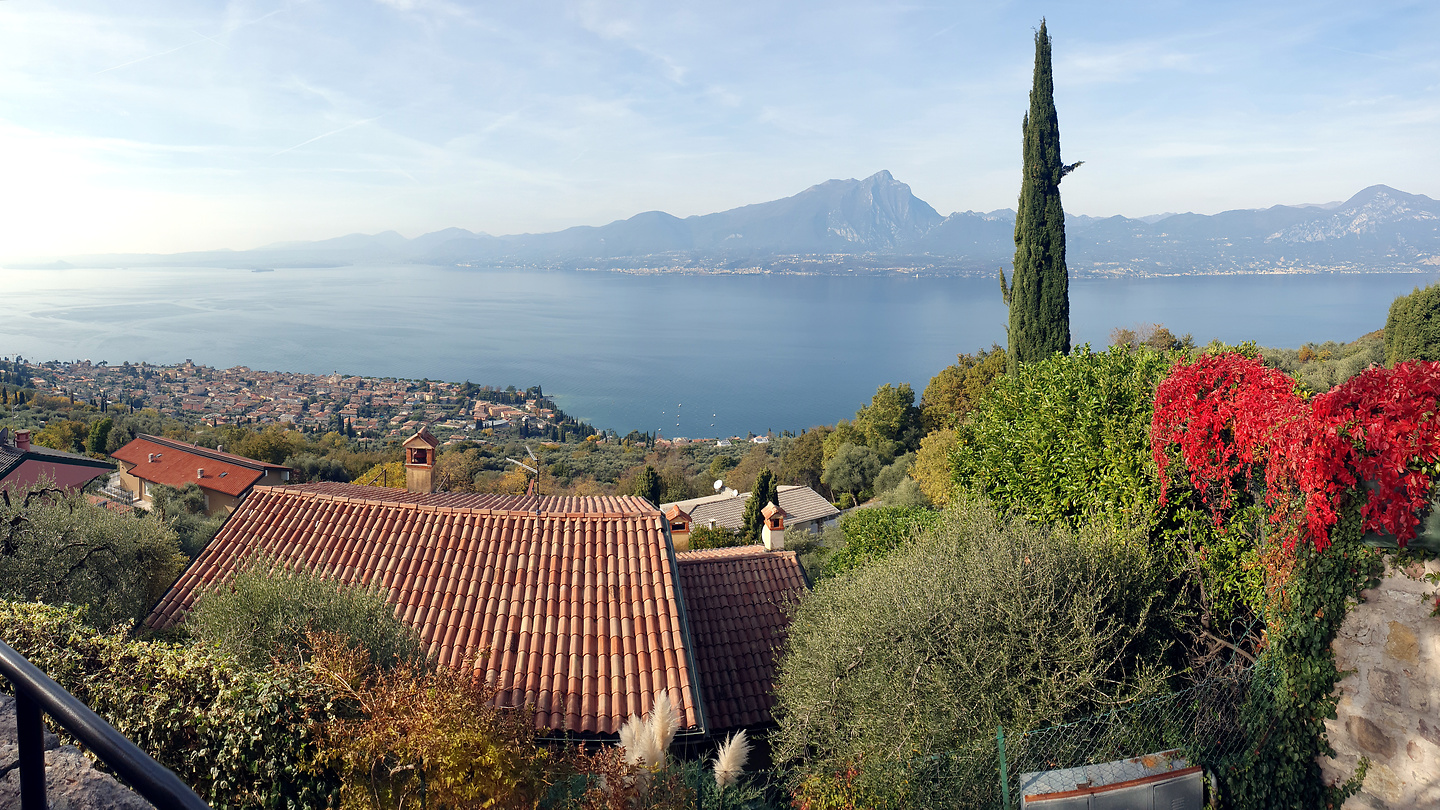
(202, 38)
(350, 125)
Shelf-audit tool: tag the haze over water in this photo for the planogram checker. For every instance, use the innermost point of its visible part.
(759, 352)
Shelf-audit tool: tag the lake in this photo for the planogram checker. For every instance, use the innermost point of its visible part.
(717, 354)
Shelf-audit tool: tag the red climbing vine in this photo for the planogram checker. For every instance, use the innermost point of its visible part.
(1236, 423)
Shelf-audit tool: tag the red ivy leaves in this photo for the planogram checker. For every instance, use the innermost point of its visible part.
(1229, 416)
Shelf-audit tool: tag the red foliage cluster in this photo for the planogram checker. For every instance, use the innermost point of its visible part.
(1230, 417)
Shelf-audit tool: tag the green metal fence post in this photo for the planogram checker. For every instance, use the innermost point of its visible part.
(1004, 777)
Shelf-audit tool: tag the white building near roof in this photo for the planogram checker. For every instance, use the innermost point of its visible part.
(805, 509)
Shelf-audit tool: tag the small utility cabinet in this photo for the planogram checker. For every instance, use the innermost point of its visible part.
(1152, 782)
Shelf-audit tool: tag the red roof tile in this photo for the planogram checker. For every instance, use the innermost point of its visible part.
(576, 603)
(176, 467)
(738, 600)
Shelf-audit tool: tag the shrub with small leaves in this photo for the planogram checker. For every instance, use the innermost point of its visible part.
(268, 611)
(239, 737)
(871, 534)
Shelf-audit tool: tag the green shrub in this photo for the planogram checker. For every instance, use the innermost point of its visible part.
(1322, 366)
(1067, 437)
(980, 622)
(1296, 677)
(184, 511)
(703, 537)
(267, 612)
(61, 549)
(239, 737)
(1412, 332)
(873, 533)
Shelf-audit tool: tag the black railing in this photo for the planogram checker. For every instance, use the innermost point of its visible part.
(36, 695)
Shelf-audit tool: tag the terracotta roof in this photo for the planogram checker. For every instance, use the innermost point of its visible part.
(477, 500)
(738, 602)
(578, 605)
(675, 513)
(424, 436)
(218, 455)
(800, 503)
(176, 466)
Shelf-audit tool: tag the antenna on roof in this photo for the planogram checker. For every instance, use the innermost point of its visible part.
(534, 487)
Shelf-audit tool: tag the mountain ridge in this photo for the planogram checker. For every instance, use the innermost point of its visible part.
(877, 224)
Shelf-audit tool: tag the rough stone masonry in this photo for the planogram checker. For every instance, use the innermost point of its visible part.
(71, 782)
(1389, 707)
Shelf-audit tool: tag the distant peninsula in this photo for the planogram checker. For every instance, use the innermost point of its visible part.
(877, 226)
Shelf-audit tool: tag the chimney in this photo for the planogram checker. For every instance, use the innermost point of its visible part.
(219, 448)
(22, 440)
(151, 458)
(772, 534)
(200, 473)
(420, 451)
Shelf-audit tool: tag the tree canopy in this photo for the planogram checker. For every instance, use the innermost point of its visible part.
(932, 647)
(1412, 332)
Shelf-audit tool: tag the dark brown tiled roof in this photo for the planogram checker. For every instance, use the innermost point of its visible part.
(737, 600)
(577, 605)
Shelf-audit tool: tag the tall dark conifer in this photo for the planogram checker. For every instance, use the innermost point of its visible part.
(1039, 292)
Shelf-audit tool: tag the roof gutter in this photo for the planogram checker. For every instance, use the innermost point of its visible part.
(703, 729)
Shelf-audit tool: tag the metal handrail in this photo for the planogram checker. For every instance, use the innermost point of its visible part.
(36, 695)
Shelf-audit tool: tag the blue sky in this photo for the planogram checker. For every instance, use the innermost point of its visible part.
(164, 126)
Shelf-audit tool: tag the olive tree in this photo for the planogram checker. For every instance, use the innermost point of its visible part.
(852, 470)
(981, 622)
(58, 548)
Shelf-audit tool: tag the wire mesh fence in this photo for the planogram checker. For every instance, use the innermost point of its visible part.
(1200, 726)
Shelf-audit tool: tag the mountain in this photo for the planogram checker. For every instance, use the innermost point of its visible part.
(1377, 229)
(878, 225)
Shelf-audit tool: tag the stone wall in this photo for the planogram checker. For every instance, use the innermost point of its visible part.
(1390, 701)
(71, 782)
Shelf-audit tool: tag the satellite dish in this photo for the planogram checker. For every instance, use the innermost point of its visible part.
(719, 485)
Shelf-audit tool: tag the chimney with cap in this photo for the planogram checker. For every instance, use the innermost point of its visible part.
(680, 522)
(22, 440)
(772, 534)
(420, 452)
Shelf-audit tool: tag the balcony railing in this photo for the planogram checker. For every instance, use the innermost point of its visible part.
(36, 695)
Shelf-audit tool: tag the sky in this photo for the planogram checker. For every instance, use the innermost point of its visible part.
(163, 126)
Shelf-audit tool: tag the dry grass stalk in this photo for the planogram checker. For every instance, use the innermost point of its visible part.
(730, 759)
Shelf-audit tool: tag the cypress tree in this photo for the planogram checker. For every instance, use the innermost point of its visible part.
(766, 486)
(649, 486)
(1039, 295)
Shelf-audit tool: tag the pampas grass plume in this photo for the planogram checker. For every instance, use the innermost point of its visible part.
(645, 740)
(730, 759)
(630, 736)
(664, 722)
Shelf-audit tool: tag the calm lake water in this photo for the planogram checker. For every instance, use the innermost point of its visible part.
(628, 352)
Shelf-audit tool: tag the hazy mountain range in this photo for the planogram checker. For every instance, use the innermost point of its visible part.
(878, 225)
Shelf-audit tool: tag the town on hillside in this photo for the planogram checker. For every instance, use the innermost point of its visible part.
(369, 407)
